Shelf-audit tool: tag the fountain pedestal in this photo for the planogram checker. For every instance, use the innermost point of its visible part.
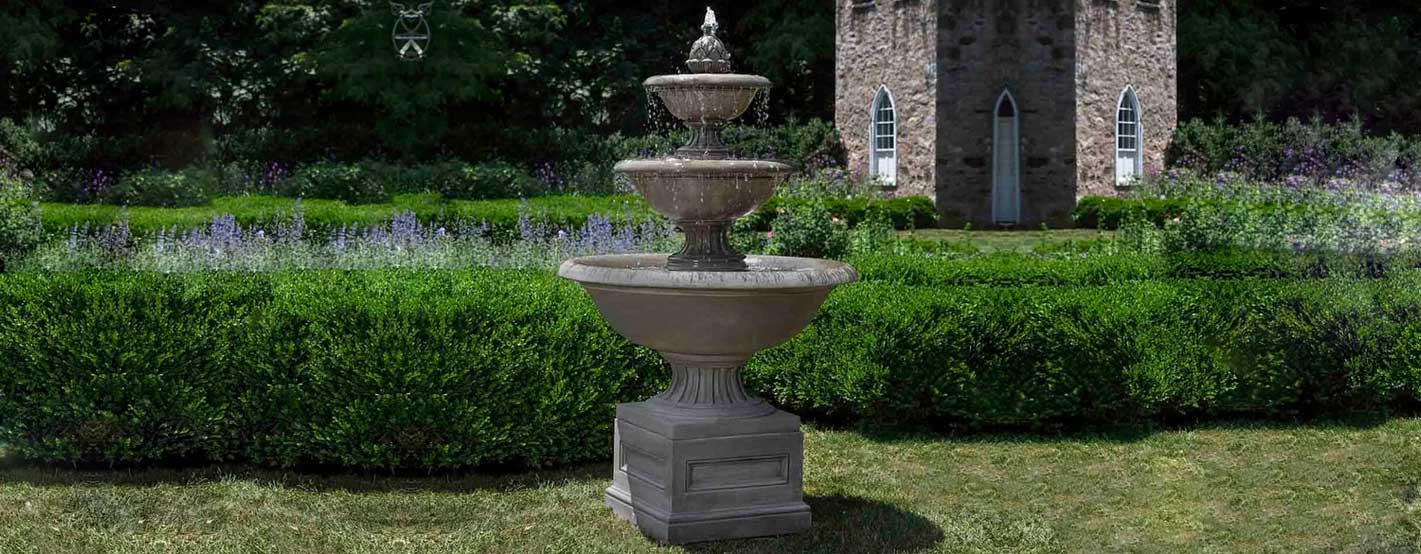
(706, 461)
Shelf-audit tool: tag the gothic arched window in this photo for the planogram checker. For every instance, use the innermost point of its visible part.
(883, 138)
(1129, 138)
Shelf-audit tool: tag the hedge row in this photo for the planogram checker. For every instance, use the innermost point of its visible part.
(502, 215)
(1015, 270)
(1108, 212)
(360, 369)
(1026, 356)
(1101, 212)
(464, 368)
(562, 211)
(906, 212)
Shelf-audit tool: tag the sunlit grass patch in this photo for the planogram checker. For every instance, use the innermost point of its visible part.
(1348, 486)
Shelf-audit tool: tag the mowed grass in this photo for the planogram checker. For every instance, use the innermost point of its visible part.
(1351, 487)
(1012, 241)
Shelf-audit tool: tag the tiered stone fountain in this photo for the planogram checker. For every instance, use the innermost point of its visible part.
(705, 460)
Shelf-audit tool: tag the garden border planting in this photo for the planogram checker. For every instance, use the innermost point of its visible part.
(440, 369)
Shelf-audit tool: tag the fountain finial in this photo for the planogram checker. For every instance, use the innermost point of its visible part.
(708, 54)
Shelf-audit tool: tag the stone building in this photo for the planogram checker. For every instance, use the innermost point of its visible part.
(1006, 111)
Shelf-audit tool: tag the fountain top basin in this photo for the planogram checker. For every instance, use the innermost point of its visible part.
(706, 81)
(706, 98)
(764, 273)
(700, 168)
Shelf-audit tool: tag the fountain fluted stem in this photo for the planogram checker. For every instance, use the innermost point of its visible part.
(705, 143)
(707, 248)
(707, 386)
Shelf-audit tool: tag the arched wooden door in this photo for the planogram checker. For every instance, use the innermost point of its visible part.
(1006, 162)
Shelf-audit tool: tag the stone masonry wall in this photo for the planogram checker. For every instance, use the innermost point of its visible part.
(1123, 43)
(985, 47)
(888, 42)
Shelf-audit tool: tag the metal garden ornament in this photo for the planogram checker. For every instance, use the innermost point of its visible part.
(411, 31)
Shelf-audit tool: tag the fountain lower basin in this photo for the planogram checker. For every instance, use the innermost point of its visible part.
(731, 315)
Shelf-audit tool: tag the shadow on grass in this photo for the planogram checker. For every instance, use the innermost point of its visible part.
(1114, 433)
(304, 479)
(843, 525)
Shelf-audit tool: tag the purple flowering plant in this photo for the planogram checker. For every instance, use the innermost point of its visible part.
(402, 240)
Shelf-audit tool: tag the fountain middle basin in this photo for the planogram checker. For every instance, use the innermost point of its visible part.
(687, 190)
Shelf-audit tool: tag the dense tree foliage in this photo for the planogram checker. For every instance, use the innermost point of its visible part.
(1302, 58)
(119, 84)
(170, 83)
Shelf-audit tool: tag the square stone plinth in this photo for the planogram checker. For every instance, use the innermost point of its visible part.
(683, 480)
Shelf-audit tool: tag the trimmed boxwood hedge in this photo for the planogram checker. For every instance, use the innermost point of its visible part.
(905, 212)
(439, 369)
(1104, 212)
(426, 369)
(324, 215)
(1108, 212)
(501, 215)
(1024, 356)
(1015, 270)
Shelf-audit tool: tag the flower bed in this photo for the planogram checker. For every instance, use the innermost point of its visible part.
(502, 215)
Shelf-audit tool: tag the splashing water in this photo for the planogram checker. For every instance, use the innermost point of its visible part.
(761, 109)
(658, 117)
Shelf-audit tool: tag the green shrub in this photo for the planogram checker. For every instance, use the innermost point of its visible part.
(908, 212)
(1294, 152)
(808, 146)
(464, 368)
(501, 215)
(162, 188)
(122, 369)
(20, 149)
(434, 370)
(1010, 270)
(462, 181)
(1109, 212)
(830, 184)
(378, 369)
(808, 230)
(645, 146)
(325, 215)
(1028, 356)
(352, 183)
(1017, 270)
(398, 179)
(874, 234)
(19, 218)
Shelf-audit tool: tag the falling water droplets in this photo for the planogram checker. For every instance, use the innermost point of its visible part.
(761, 109)
(658, 118)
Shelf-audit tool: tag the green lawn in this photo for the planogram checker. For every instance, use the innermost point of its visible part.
(1011, 241)
(1350, 487)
